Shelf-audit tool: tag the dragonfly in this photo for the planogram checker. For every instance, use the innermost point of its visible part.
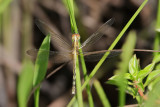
(70, 52)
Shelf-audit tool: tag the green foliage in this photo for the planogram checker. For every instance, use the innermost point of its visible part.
(41, 67)
(136, 79)
(153, 96)
(143, 73)
(157, 37)
(25, 82)
(154, 74)
(134, 67)
(119, 79)
(4, 4)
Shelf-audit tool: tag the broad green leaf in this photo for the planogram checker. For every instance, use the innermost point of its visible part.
(152, 84)
(153, 96)
(41, 65)
(154, 74)
(156, 58)
(139, 99)
(143, 73)
(134, 67)
(117, 80)
(157, 67)
(112, 82)
(158, 30)
(25, 83)
(130, 91)
(128, 76)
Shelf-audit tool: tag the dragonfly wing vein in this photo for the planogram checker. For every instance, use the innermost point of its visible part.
(58, 40)
(98, 34)
(97, 55)
(54, 56)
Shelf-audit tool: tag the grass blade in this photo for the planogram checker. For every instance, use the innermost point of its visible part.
(88, 89)
(101, 94)
(157, 38)
(72, 16)
(41, 67)
(25, 82)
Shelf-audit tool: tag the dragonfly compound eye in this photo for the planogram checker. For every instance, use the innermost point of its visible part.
(75, 36)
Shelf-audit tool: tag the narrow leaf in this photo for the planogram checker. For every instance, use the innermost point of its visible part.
(101, 93)
(25, 82)
(133, 66)
(143, 73)
(152, 76)
(41, 65)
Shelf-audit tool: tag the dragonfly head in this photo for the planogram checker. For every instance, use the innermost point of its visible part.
(75, 37)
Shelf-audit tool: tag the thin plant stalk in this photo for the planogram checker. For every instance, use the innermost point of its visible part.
(75, 30)
(101, 93)
(36, 97)
(110, 48)
(157, 38)
(90, 98)
(78, 85)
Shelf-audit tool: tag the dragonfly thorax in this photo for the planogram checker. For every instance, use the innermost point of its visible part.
(75, 43)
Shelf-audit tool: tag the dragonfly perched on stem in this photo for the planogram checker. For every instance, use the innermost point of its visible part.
(69, 52)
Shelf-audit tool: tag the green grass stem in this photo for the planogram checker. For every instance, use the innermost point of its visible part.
(36, 97)
(90, 98)
(101, 94)
(78, 85)
(75, 30)
(72, 16)
(157, 38)
(110, 48)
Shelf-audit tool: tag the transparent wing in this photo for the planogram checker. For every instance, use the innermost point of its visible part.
(54, 56)
(97, 55)
(58, 40)
(98, 34)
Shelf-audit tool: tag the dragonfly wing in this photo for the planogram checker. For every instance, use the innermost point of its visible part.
(58, 40)
(97, 55)
(98, 34)
(54, 56)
